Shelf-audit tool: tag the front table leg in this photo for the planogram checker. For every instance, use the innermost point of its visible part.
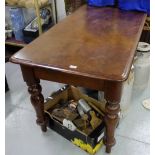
(37, 99)
(113, 96)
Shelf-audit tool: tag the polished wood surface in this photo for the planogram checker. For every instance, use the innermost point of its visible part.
(100, 42)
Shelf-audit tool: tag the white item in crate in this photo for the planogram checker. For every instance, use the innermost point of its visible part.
(142, 66)
(85, 107)
(68, 124)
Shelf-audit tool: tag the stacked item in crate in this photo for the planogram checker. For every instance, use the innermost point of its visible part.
(77, 117)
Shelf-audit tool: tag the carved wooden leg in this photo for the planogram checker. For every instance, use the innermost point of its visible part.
(37, 98)
(37, 101)
(112, 96)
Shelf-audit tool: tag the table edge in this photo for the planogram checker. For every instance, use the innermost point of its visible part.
(71, 72)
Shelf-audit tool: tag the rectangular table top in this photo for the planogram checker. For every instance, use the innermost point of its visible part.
(92, 42)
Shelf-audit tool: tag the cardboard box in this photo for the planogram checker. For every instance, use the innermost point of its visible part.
(90, 143)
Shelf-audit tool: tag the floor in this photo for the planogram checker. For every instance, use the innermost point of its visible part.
(23, 136)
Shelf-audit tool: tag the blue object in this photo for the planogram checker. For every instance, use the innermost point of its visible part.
(19, 35)
(101, 3)
(18, 23)
(139, 5)
(44, 13)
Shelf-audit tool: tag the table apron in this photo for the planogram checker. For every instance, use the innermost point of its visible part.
(71, 79)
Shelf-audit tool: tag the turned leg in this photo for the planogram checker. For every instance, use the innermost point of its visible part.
(37, 99)
(112, 108)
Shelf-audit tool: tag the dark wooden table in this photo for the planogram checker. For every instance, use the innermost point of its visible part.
(93, 48)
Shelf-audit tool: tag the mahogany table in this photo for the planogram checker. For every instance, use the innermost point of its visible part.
(92, 48)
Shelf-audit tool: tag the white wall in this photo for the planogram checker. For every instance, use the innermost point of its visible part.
(61, 9)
